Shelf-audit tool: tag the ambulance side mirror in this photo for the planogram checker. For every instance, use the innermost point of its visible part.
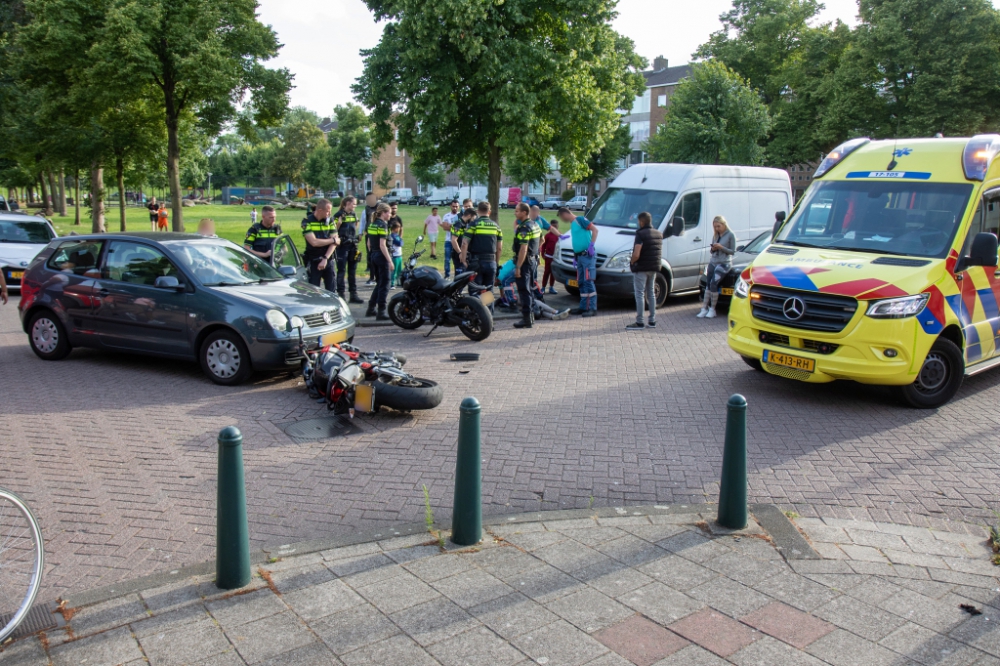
(779, 219)
(984, 250)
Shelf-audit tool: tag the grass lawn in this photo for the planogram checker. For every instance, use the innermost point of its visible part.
(232, 222)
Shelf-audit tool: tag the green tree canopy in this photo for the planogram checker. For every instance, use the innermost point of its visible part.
(384, 178)
(350, 143)
(299, 140)
(484, 81)
(714, 118)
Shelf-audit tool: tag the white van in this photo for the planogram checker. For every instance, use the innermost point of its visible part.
(398, 195)
(748, 197)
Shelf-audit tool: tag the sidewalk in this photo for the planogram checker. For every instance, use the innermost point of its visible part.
(647, 586)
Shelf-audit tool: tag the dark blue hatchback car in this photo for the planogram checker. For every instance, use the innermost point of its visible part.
(174, 295)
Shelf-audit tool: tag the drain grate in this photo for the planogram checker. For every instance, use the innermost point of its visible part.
(323, 428)
(39, 618)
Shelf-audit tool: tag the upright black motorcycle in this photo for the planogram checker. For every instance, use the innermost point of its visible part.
(428, 297)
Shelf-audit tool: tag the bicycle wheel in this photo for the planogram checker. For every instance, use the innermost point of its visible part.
(22, 559)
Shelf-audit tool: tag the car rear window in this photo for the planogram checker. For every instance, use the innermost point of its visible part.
(75, 257)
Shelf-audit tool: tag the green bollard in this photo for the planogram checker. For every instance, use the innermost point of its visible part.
(232, 535)
(733, 489)
(467, 513)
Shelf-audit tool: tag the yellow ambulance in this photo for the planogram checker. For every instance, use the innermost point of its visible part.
(884, 273)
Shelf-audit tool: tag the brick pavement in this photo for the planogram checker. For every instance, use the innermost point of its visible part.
(117, 454)
(659, 586)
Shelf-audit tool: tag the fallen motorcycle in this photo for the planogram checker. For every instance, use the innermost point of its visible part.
(428, 297)
(350, 380)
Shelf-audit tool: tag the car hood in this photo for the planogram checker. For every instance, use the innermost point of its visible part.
(290, 296)
(860, 275)
(19, 254)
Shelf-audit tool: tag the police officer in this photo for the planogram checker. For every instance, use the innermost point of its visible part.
(458, 229)
(526, 241)
(381, 259)
(261, 235)
(321, 241)
(482, 243)
(347, 252)
(371, 203)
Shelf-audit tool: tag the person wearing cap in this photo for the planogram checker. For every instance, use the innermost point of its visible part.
(482, 244)
(526, 241)
(261, 235)
(320, 235)
(583, 235)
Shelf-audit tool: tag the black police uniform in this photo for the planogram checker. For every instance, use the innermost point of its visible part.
(458, 228)
(483, 235)
(381, 267)
(528, 234)
(347, 253)
(370, 217)
(260, 238)
(313, 255)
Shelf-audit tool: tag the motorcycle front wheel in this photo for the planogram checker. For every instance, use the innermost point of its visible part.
(404, 313)
(415, 394)
(477, 320)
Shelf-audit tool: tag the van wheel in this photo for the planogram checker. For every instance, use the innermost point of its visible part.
(753, 363)
(939, 378)
(662, 289)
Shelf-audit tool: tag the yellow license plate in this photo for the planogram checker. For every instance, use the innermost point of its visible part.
(572, 283)
(487, 297)
(789, 361)
(15, 275)
(726, 291)
(334, 338)
(364, 398)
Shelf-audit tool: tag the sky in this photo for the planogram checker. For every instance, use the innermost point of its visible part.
(322, 38)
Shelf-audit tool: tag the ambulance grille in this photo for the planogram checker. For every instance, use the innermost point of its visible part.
(822, 312)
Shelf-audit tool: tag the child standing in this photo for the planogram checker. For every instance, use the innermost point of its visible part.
(161, 218)
(253, 216)
(396, 240)
(548, 254)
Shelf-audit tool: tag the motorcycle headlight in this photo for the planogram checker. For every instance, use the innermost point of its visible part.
(619, 262)
(413, 262)
(898, 308)
(277, 320)
(742, 288)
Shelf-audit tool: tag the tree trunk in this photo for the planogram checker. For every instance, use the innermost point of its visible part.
(493, 182)
(76, 197)
(53, 190)
(120, 172)
(590, 193)
(173, 174)
(45, 195)
(97, 198)
(62, 192)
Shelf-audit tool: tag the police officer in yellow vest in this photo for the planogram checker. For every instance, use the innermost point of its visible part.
(321, 238)
(378, 239)
(526, 242)
(482, 244)
(260, 236)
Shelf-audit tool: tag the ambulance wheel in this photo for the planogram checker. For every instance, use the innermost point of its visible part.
(939, 378)
(753, 363)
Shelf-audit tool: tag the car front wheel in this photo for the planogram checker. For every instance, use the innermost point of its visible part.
(225, 359)
(48, 337)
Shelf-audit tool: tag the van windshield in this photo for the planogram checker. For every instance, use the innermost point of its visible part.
(905, 218)
(620, 207)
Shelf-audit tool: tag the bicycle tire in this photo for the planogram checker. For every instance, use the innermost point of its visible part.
(22, 561)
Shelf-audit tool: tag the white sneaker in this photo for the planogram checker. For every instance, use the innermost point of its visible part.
(704, 311)
(711, 313)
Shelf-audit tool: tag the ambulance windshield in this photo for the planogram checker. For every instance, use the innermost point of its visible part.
(916, 219)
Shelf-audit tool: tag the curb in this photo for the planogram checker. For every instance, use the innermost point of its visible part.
(785, 536)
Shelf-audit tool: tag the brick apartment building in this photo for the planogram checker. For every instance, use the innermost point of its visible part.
(801, 176)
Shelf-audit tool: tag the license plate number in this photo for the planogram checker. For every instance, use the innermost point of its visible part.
(726, 291)
(334, 338)
(572, 283)
(15, 275)
(789, 361)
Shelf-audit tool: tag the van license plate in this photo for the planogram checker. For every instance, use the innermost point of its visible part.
(726, 291)
(334, 338)
(789, 361)
(572, 283)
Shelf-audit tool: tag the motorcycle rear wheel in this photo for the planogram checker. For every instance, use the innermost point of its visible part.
(480, 321)
(422, 394)
(404, 314)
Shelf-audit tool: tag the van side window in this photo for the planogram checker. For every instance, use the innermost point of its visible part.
(75, 257)
(690, 210)
(984, 219)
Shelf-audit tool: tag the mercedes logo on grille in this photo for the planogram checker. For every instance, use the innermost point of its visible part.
(794, 308)
(328, 319)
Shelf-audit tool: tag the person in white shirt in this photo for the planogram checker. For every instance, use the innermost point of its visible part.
(446, 223)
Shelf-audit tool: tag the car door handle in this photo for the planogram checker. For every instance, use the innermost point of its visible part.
(697, 239)
(103, 292)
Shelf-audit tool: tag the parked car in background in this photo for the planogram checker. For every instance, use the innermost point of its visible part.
(442, 196)
(179, 296)
(531, 201)
(416, 201)
(745, 254)
(577, 203)
(21, 238)
(552, 203)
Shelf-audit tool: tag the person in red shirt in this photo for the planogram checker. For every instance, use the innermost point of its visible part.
(549, 241)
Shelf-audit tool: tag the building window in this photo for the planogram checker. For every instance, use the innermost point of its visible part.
(404, 167)
(639, 129)
(397, 151)
(399, 169)
(597, 187)
(396, 135)
(641, 104)
(368, 186)
(661, 100)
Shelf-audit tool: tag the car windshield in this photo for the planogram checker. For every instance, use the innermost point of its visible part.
(27, 231)
(620, 207)
(222, 264)
(757, 245)
(907, 218)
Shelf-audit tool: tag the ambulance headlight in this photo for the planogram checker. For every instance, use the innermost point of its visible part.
(837, 155)
(898, 308)
(742, 288)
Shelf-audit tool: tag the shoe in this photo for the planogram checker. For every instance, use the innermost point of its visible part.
(635, 326)
(704, 311)
(710, 314)
(651, 324)
(562, 314)
(370, 312)
(590, 313)
(370, 282)
(552, 290)
(577, 311)
(355, 298)
(524, 323)
(381, 316)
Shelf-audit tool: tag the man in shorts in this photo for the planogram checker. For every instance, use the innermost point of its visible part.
(153, 208)
(431, 225)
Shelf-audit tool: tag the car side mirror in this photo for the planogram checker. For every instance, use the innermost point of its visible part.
(167, 282)
(287, 271)
(675, 227)
(779, 221)
(984, 250)
(740, 248)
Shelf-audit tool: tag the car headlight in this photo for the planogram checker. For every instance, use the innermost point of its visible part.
(898, 308)
(619, 262)
(742, 288)
(277, 320)
(343, 304)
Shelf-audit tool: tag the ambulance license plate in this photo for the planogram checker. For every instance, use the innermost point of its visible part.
(726, 291)
(572, 283)
(789, 361)
(15, 275)
(334, 338)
